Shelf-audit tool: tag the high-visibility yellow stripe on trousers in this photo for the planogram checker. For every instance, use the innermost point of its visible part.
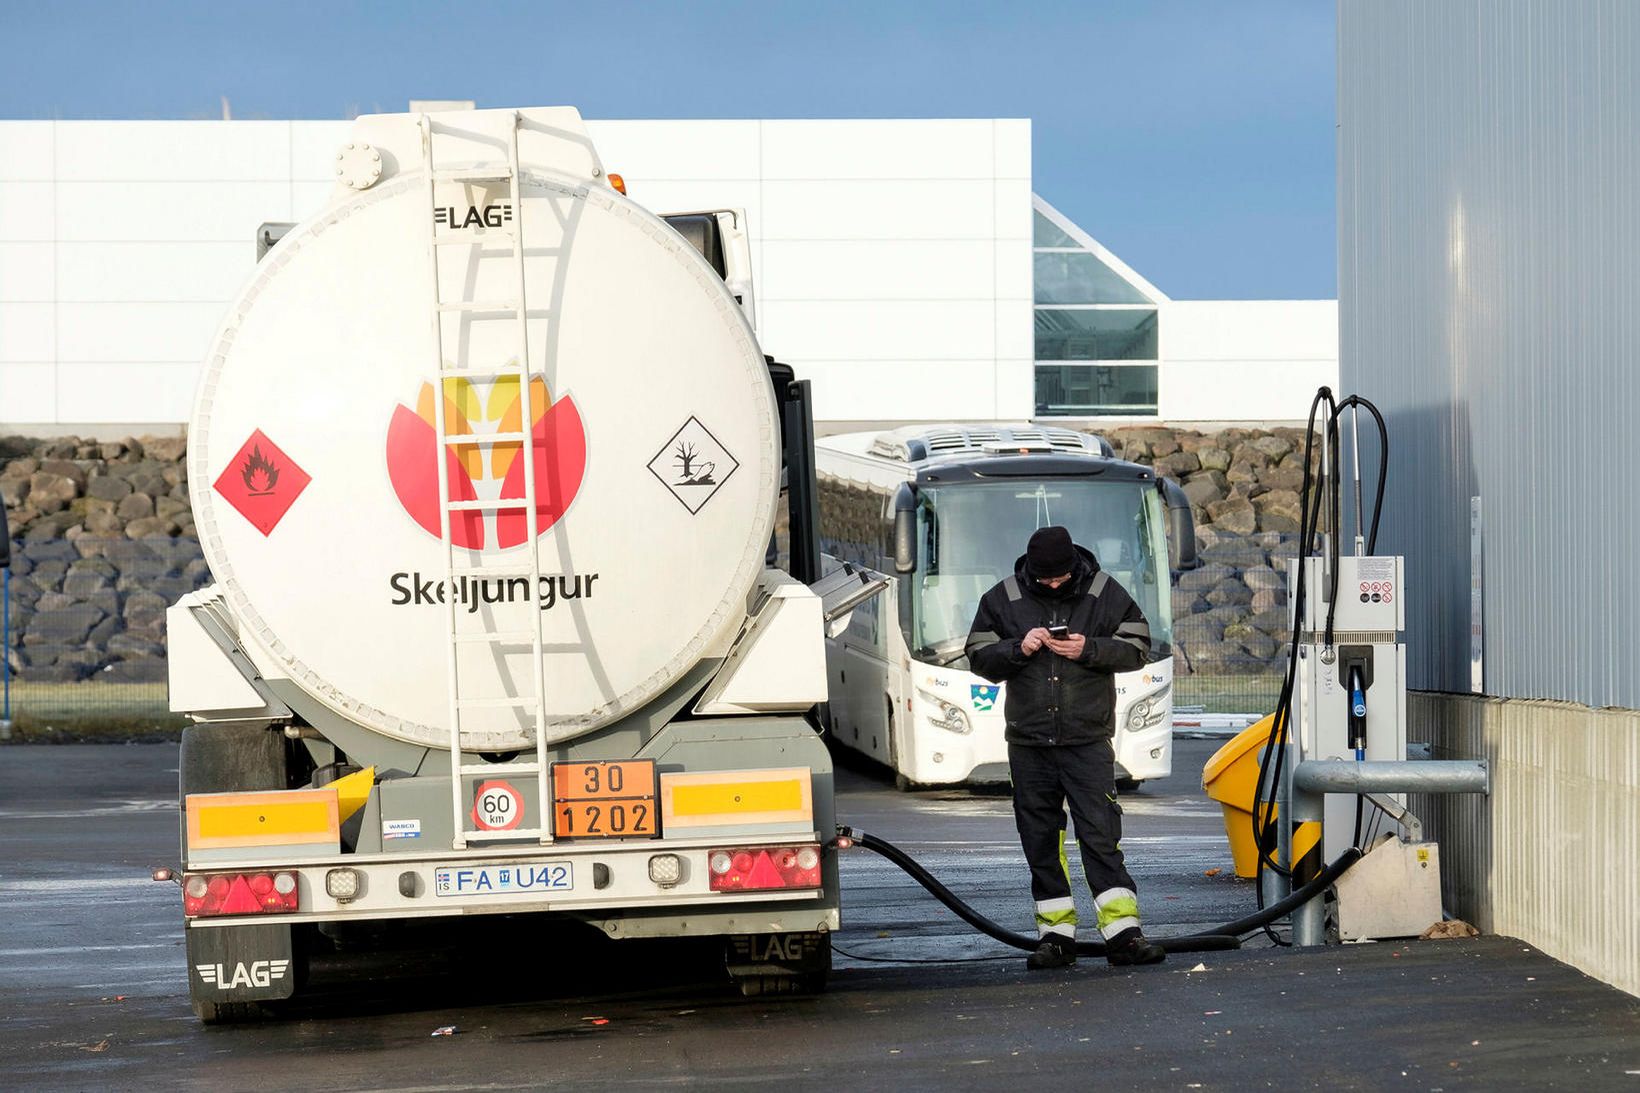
(1118, 911)
(1056, 916)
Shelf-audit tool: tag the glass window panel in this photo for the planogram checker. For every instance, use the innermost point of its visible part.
(1128, 334)
(1049, 234)
(1093, 390)
(1080, 277)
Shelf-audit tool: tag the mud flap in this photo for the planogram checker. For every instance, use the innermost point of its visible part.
(779, 963)
(229, 964)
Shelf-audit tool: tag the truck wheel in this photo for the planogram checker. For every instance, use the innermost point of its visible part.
(228, 1013)
(759, 986)
(231, 758)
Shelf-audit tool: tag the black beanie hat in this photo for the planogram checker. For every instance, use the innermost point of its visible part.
(1050, 553)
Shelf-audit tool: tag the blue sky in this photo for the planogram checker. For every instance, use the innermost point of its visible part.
(1195, 138)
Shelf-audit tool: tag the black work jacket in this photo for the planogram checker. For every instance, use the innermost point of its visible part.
(1052, 699)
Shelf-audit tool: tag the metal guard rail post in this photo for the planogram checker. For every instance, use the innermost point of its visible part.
(1313, 779)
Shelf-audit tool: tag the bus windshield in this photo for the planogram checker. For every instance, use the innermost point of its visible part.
(970, 535)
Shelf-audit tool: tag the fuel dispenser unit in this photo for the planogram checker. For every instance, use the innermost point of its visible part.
(1345, 762)
(1352, 711)
(1352, 690)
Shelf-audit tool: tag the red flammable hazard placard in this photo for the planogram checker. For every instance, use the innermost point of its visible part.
(262, 482)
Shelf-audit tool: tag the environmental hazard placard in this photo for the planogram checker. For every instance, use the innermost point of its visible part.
(693, 464)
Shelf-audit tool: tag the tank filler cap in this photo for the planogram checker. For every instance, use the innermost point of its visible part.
(358, 166)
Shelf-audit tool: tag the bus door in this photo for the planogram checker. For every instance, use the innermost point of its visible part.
(864, 671)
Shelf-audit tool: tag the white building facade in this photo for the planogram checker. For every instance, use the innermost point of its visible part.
(904, 266)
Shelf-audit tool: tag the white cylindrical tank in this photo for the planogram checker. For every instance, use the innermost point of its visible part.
(313, 459)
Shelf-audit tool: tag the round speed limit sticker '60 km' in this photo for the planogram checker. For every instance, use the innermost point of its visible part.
(497, 806)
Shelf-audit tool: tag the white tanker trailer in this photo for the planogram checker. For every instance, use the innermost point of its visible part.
(518, 648)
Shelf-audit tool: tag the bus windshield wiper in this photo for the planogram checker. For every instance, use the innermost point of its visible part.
(947, 652)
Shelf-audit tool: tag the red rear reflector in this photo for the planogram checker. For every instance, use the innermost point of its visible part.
(761, 869)
(764, 874)
(240, 901)
(239, 894)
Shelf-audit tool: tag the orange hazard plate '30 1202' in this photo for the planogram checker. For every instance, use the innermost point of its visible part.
(605, 800)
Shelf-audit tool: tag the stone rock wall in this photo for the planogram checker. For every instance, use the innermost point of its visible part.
(1230, 614)
(104, 542)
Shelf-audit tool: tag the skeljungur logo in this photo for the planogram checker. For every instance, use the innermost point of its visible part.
(470, 593)
(557, 439)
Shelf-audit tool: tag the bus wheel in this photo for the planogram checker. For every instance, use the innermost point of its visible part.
(1128, 785)
(902, 783)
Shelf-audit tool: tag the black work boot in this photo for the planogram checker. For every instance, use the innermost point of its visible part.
(1132, 947)
(1053, 951)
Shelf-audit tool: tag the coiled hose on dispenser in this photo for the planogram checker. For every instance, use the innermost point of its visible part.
(1227, 936)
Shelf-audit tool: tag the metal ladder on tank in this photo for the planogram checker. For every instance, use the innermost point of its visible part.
(459, 701)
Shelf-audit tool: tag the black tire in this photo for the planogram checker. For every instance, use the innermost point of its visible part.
(232, 759)
(902, 783)
(229, 759)
(1128, 785)
(229, 1013)
(761, 986)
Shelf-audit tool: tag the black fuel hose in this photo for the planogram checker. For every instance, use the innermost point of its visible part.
(1220, 938)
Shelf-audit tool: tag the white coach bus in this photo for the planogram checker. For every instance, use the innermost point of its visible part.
(945, 511)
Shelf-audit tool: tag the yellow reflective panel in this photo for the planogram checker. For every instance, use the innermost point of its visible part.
(718, 798)
(274, 818)
(737, 797)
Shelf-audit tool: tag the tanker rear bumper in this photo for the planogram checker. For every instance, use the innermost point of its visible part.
(607, 885)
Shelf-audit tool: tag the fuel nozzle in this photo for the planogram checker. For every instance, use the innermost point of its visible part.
(1358, 712)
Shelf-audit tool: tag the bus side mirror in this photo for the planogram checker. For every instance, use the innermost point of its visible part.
(1181, 525)
(905, 528)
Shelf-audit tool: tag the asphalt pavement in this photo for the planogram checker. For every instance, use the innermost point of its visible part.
(93, 995)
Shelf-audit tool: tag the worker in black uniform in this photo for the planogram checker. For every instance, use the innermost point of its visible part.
(1055, 632)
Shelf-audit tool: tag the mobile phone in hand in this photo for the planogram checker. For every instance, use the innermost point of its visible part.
(1060, 632)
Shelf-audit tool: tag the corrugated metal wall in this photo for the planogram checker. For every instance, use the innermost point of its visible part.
(1489, 284)
(1550, 856)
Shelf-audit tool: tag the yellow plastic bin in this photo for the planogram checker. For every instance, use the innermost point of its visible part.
(1231, 779)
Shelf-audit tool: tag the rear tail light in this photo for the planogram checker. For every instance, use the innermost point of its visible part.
(760, 868)
(208, 894)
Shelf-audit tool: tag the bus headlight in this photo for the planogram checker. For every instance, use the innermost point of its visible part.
(950, 718)
(1149, 711)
